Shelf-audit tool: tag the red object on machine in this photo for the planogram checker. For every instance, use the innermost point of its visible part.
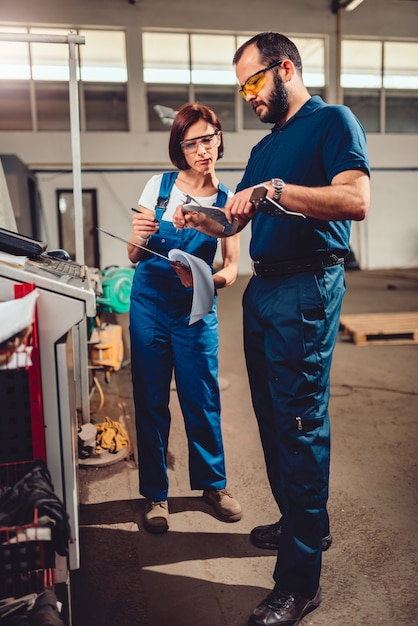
(35, 390)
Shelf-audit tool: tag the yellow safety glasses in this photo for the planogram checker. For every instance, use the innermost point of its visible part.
(256, 82)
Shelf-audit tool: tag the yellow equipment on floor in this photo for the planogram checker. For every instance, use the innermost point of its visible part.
(106, 347)
(106, 354)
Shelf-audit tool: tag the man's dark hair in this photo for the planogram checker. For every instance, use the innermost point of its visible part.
(190, 114)
(272, 47)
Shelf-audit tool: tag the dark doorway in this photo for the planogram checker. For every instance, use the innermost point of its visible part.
(66, 222)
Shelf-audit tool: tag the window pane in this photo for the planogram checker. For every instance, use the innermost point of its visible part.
(49, 60)
(401, 65)
(401, 112)
(166, 57)
(15, 106)
(365, 104)
(170, 96)
(52, 105)
(103, 56)
(317, 91)
(212, 59)
(312, 52)
(361, 64)
(14, 57)
(241, 39)
(222, 101)
(105, 106)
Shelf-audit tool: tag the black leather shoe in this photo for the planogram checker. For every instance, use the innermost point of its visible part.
(267, 537)
(283, 608)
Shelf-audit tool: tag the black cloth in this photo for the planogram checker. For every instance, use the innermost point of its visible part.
(35, 490)
(44, 612)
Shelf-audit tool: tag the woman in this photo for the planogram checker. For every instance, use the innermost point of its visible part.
(162, 339)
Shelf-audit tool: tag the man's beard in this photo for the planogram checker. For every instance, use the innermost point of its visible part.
(277, 104)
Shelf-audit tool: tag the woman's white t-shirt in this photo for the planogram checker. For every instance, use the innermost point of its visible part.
(151, 194)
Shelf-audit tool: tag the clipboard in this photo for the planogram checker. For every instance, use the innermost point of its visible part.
(264, 204)
(203, 286)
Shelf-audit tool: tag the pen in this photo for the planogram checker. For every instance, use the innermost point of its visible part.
(138, 211)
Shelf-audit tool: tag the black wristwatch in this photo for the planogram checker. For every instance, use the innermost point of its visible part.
(278, 186)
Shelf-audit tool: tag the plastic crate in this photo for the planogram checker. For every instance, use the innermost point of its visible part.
(27, 556)
(27, 559)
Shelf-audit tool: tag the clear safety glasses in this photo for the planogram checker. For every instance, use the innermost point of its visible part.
(207, 141)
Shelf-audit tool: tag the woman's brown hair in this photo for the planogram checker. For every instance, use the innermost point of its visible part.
(187, 115)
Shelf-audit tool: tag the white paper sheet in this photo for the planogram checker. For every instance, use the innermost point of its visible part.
(16, 315)
(203, 287)
(12, 259)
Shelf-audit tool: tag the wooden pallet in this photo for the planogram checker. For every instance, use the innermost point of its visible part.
(381, 328)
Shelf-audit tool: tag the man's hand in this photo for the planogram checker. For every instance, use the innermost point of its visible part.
(240, 206)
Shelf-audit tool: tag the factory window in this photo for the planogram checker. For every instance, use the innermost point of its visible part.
(15, 105)
(34, 81)
(380, 84)
(183, 67)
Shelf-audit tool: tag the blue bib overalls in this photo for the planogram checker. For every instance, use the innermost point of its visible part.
(163, 341)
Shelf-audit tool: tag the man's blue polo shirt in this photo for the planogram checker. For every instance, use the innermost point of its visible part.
(312, 147)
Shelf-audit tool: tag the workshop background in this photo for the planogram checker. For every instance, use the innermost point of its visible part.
(87, 95)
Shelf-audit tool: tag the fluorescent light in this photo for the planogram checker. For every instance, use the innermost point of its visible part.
(353, 5)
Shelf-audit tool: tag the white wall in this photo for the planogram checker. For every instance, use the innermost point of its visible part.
(389, 235)
(387, 238)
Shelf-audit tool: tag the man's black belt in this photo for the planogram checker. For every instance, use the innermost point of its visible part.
(295, 266)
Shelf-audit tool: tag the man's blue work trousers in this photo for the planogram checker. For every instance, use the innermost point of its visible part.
(161, 339)
(290, 329)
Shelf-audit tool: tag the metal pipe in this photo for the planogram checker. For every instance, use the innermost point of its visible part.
(76, 157)
(338, 45)
(78, 39)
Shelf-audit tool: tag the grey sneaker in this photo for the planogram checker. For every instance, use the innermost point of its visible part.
(228, 509)
(156, 519)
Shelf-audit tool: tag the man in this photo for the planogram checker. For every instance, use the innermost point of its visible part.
(314, 162)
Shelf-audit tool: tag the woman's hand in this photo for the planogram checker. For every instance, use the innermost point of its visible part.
(187, 219)
(144, 224)
(194, 219)
(184, 274)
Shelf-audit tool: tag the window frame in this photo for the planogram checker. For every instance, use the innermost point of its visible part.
(32, 82)
(382, 120)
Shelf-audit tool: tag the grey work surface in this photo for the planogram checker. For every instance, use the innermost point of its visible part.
(205, 572)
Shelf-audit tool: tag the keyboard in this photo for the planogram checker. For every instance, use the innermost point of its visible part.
(59, 266)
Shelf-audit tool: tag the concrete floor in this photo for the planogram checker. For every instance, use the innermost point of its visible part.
(205, 572)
